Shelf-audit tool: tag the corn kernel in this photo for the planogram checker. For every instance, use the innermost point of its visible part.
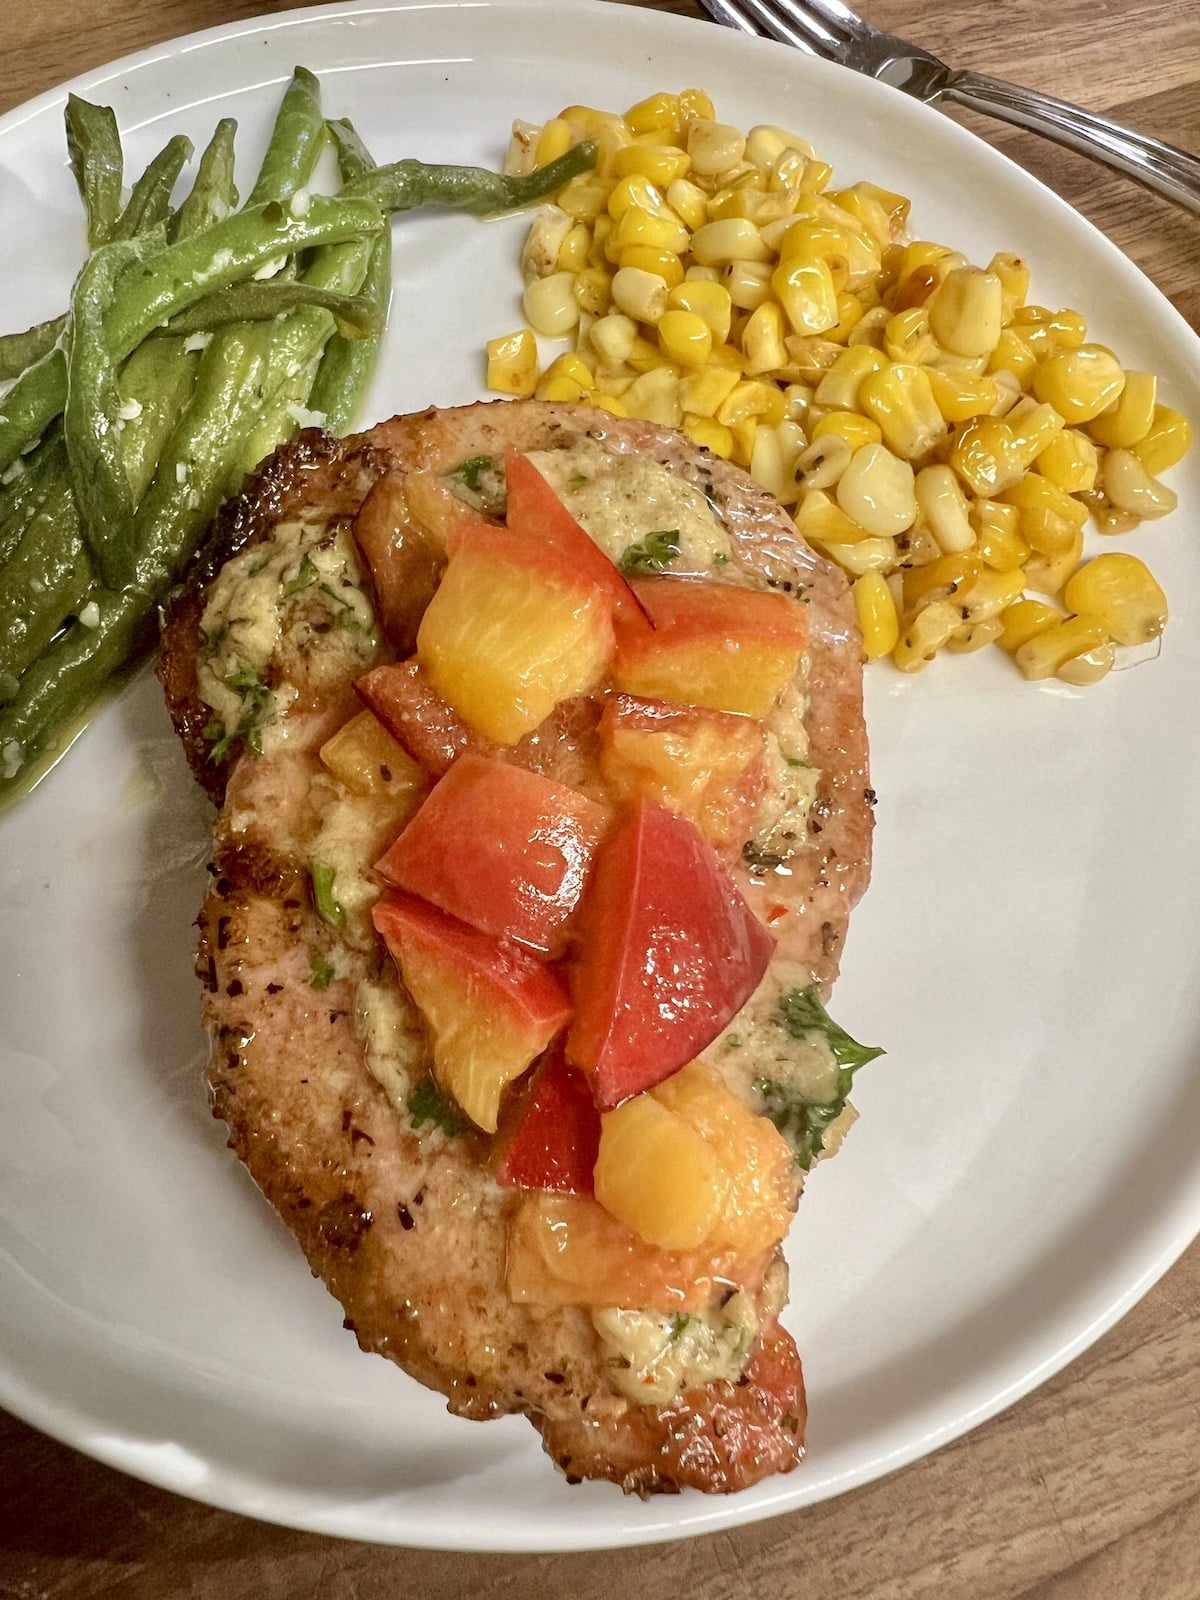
(550, 305)
(1049, 331)
(943, 579)
(920, 268)
(732, 239)
(877, 490)
(924, 634)
(1032, 427)
(1168, 441)
(765, 143)
(688, 201)
(873, 554)
(876, 611)
(1013, 273)
(985, 457)
(972, 636)
(900, 399)
(705, 392)
(772, 463)
(639, 294)
(584, 197)
(1079, 383)
(607, 402)
(1089, 666)
(748, 284)
(1131, 488)
(821, 463)
(944, 508)
(1012, 354)
(806, 291)
(592, 289)
(839, 387)
(709, 433)
(656, 230)
(1024, 620)
(907, 336)
(998, 534)
(991, 593)
(960, 396)
(657, 113)
(1127, 421)
(685, 337)
(819, 517)
(708, 300)
(695, 103)
(966, 311)
(544, 243)
(715, 147)
(612, 337)
(1070, 461)
(667, 264)
(662, 164)
(750, 398)
(512, 362)
(762, 339)
(849, 425)
(1047, 651)
(1046, 574)
(1122, 592)
(654, 396)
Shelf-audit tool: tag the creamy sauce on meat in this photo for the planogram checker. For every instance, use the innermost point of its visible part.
(620, 499)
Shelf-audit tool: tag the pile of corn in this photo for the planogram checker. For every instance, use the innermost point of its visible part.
(941, 438)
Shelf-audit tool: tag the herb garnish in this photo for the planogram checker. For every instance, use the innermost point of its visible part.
(427, 1103)
(803, 1123)
(328, 906)
(322, 974)
(652, 554)
(470, 473)
(256, 699)
(306, 574)
(679, 1324)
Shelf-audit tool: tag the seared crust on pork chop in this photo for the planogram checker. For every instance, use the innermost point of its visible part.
(406, 1226)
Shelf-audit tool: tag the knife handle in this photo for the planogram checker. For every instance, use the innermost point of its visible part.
(1161, 167)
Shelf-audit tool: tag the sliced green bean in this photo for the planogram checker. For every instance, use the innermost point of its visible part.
(92, 422)
(21, 497)
(61, 688)
(295, 141)
(347, 365)
(157, 382)
(404, 185)
(20, 350)
(213, 194)
(94, 146)
(32, 404)
(355, 315)
(150, 200)
(42, 583)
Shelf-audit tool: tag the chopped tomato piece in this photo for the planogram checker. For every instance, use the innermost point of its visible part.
(491, 1009)
(712, 644)
(669, 952)
(500, 847)
(555, 1135)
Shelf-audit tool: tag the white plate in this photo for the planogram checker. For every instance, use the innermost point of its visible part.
(1027, 1159)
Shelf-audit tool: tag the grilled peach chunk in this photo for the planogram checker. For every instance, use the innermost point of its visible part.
(711, 644)
(708, 766)
(490, 1009)
(502, 848)
(513, 628)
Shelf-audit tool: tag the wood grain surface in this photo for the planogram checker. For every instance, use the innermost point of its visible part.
(1089, 1489)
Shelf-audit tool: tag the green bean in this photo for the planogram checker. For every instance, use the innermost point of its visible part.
(347, 365)
(43, 582)
(176, 278)
(294, 144)
(60, 689)
(94, 146)
(159, 376)
(21, 350)
(213, 193)
(403, 185)
(91, 418)
(150, 201)
(355, 315)
(24, 493)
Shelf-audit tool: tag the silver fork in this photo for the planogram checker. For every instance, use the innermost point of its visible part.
(828, 28)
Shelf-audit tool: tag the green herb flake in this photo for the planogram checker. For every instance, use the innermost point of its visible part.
(256, 701)
(322, 974)
(733, 1041)
(577, 480)
(306, 575)
(471, 473)
(329, 908)
(804, 1123)
(678, 1326)
(652, 554)
(427, 1103)
(720, 559)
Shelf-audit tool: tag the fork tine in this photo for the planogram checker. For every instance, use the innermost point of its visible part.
(789, 23)
(839, 18)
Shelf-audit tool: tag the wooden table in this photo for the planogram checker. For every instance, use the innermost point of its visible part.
(1087, 1490)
